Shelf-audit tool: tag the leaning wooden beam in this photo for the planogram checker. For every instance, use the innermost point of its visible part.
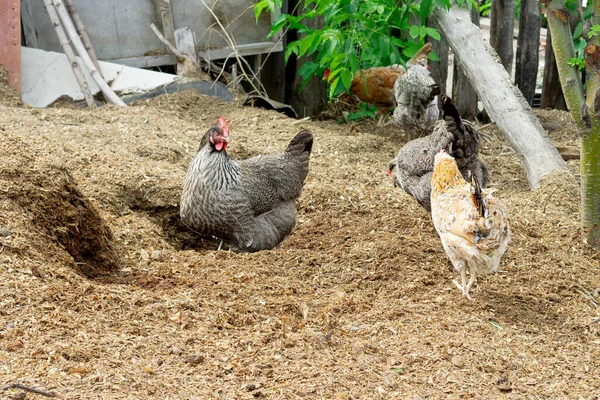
(503, 101)
(83, 33)
(85, 57)
(64, 42)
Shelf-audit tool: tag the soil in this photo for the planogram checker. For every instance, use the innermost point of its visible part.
(104, 294)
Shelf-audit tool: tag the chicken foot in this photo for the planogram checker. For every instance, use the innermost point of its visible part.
(465, 287)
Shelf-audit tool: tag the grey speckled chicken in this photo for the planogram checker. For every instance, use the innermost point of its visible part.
(250, 204)
(411, 169)
(415, 96)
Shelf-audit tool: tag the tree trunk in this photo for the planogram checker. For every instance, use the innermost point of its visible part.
(590, 141)
(463, 94)
(552, 95)
(584, 109)
(504, 103)
(502, 30)
(528, 44)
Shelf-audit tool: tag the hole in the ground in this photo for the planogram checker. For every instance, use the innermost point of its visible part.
(175, 232)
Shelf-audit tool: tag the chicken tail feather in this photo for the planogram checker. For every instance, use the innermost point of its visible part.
(301, 143)
(477, 196)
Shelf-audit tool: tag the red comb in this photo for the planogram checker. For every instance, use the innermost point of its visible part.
(223, 122)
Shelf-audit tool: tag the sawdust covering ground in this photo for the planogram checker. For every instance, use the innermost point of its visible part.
(356, 303)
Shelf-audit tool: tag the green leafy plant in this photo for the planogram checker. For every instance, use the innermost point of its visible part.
(364, 111)
(357, 34)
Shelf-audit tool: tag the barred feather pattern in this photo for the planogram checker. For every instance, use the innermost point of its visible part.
(249, 204)
(413, 165)
(416, 101)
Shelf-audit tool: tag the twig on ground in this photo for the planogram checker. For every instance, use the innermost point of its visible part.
(83, 54)
(64, 42)
(31, 390)
(586, 294)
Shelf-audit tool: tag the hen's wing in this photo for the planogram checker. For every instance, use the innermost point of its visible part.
(454, 212)
(375, 85)
(271, 179)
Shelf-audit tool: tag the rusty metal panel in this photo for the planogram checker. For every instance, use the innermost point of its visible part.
(10, 41)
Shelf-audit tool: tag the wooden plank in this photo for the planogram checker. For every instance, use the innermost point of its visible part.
(502, 28)
(10, 41)
(28, 25)
(552, 94)
(528, 44)
(167, 20)
(243, 49)
(463, 94)
(146, 62)
(503, 101)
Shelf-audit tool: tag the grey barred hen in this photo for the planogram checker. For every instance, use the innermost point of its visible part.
(415, 96)
(249, 204)
(411, 169)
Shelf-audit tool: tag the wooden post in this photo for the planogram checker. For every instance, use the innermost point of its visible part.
(552, 94)
(463, 94)
(502, 100)
(10, 41)
(502, 30)
(528, 44)
(439, 69)
(313, 99)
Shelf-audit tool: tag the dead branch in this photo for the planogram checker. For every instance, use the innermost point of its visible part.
(83, 33)
(83, 54)
(160, 37)
(31, 390)
(64, 42)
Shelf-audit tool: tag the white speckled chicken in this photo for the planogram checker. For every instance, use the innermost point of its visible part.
(415, 96)
(412, 167)
(250, 204)
(471, 223)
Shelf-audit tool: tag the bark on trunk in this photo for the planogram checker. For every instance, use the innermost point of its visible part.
(504, 102)
(463, 94)
(528, 43)
(502, 28)
(590, 141)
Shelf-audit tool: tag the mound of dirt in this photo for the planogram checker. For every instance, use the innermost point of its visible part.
(45, 216)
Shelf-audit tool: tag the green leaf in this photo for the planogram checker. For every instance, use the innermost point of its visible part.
(577, 31)
(433, 33)
(594, 31)
(425, 8)
(415, 30)
(443, 4)
(346, 76)
(278, 24)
